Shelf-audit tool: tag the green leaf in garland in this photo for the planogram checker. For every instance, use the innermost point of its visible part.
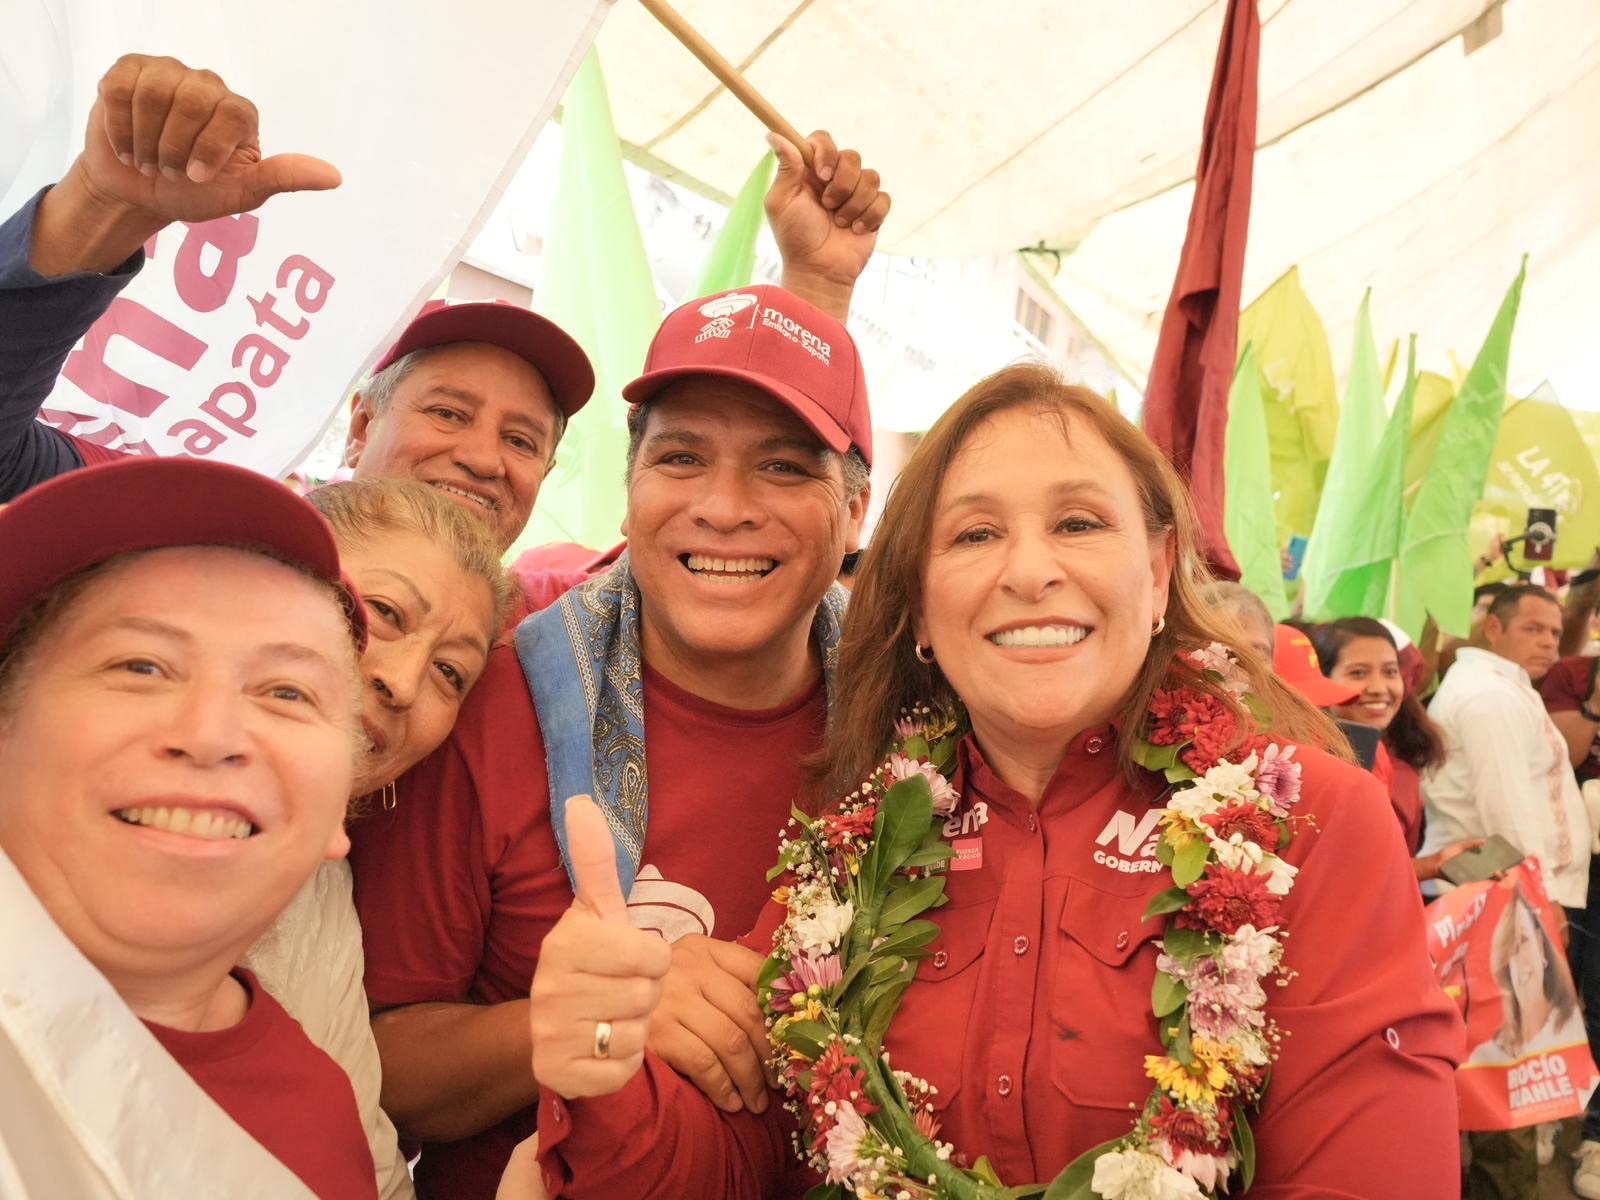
(1259, 709)
(1179, 773)
(826, 1191)
(909, 899)
(1156, 758)
(792, 853)
(1164, 852)
(909, 938)
(1168, 901)
(808, 1037)
(1185, 945)
(985, 1171)
(1244, 1144)
(1189, 863)
(770, 970)
(1182, 1043)
(1073, 1182)
(903, 819)
(943, 753)
(1167, 994)
(915, 748)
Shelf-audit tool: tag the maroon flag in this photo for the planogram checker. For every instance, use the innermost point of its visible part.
(1186, 401)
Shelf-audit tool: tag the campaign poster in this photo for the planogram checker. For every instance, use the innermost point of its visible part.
(1498, 950)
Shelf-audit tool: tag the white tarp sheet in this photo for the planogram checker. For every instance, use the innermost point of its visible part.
(426, 109)
(1390, 157)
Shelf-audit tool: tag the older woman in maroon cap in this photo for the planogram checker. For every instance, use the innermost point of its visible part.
(178, 739)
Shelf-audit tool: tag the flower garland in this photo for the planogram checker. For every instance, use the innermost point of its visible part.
(862, 875)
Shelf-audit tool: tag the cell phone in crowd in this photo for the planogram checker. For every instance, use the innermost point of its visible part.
(1363, 740)
(1487, 861)
(1539, 538)
(1297, 554)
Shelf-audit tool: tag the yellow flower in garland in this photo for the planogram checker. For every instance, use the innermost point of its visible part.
(1201, 1080)
(1216, 1058)
(1180, 830)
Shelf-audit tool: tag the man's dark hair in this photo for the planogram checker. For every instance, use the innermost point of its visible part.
(1488, 589)
(1509, 598)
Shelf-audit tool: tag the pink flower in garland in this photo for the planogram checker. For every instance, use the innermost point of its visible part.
(945, 797)
(1278, 778)
(806, 972)
(1221, 1002)
(1225, 899)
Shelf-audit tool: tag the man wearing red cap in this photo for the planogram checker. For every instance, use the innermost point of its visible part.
(682, 690)
(472, 398)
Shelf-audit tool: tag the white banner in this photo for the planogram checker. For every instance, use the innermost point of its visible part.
(239, 339)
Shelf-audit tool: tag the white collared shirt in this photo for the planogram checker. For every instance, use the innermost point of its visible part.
(91, 1106)
(1506, 772)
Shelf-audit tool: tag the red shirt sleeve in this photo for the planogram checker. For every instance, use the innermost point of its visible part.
(660, 1138)
(1567, 685)
(1362, 1102)
(422, 886)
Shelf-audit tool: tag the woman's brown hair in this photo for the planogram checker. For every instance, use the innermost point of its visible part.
(876, 653)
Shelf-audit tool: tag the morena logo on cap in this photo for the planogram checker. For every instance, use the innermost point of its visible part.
(727, 306)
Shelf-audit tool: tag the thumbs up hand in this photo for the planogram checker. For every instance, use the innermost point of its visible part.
(598, 978)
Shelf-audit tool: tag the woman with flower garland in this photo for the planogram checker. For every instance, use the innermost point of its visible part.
(1130, 933)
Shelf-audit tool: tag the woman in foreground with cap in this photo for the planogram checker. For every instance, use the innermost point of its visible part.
(178, 740)
(1169, 964)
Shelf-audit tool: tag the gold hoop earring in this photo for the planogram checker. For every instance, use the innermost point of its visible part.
(925, 657)
(390, 796)
(1161, 623)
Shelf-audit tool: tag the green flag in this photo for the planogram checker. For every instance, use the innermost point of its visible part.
(1435, 562)
(1364, 533)
(1248, 520)
(1297, 394)
(1361, 427)
(598, 287)
(732, 261)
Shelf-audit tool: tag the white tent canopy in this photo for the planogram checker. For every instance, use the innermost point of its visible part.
(1390, 156)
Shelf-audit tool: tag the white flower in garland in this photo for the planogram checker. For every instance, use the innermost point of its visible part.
(1231, 782)
(819, 931)
(1140, 1175)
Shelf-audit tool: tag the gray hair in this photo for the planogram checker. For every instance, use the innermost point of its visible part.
(1238, 601)
(381, 388)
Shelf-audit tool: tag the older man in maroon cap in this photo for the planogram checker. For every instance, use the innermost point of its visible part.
(682, 690)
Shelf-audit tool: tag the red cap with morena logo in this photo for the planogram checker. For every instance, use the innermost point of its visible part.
(775, 341)
(1294, 660)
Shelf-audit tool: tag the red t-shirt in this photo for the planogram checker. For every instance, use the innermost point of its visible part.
(1404, 786)
(283, 1091)
(1032, 1015)
(458, 884)
(1566, 688)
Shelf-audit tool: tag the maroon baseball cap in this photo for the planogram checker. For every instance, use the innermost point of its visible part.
(1295, 661)
(89, 515)
(545, 346)
(772, 339)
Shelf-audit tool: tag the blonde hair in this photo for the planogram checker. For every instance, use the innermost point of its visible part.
(876, 653)
(361, 509)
